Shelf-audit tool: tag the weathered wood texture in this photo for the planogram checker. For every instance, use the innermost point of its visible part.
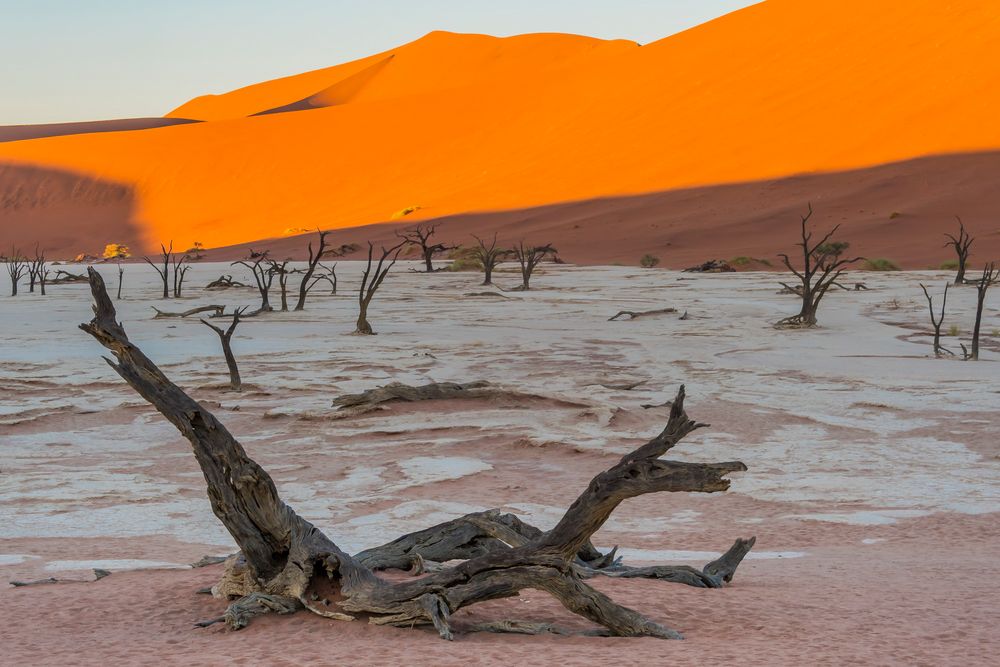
(284, 560)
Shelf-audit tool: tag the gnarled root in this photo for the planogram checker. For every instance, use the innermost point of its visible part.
(239, 612)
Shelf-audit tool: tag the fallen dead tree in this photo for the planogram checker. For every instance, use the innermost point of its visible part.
(217, 310)
(98, 575)
(225, 282)
(635, 314)
(397, 392)
(286, 564)
(64, 277)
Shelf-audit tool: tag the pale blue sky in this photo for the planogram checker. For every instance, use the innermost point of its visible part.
(63, 60)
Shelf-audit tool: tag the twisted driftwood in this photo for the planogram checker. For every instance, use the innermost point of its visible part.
(635, 314)
(160, 314)
(286, 564)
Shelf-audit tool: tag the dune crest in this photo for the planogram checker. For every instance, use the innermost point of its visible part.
(462, 123)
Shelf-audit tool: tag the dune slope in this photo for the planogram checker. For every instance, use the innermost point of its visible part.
(460, 123)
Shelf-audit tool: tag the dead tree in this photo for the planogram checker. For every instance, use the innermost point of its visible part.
(260, 266)
(286, 564)
(323, 273)
(488, 256)
(180, 270)
(167, 253)
(37, 271)
(121, 279)
(989, 276)
(235, 383)
(936, 322)
(281, 270)
(370, 282)
(962, 245)
(420, 236)
(822, 264)
(529, 257)
(314, 261)
(330, 277)
(17, 268)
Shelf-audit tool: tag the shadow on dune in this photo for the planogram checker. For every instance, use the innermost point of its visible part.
(23, 132)
(64, 212)
(897, 211)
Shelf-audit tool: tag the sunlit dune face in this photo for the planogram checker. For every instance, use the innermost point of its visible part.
(454, 123)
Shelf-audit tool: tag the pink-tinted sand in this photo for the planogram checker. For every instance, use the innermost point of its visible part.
(917, 599)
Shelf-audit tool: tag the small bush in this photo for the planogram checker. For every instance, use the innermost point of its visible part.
(950, 265)
(462, 252)
(881, 264)
(894, 215)
(953, 330)
(649, 261)
(464, 264)
(743, 260)
(116, 251)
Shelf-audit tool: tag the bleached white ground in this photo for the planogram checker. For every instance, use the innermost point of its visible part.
(852, 424)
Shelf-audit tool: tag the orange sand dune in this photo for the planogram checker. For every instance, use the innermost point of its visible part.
(897, 211)
(459, 123)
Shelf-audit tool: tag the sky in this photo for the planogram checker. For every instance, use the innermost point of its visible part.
(68, 60)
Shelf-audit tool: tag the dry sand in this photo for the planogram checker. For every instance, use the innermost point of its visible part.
(872, 485)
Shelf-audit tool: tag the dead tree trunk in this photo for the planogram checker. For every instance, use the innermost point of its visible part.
(37, 271)
(821, 266)
(281, 270)
(227, 350)
(262, 275)
(420, 236)
(489, 256)
(989, 276)
(121, 279)
(529, 257)
(165, 271)
(314, 261)
(936, 323)
(285, 560)
(180, 270)
(370, 282)
(962, 245)
(17, 267)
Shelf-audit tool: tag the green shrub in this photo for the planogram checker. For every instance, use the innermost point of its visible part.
(743, 260)
(894, 215)
(465, 264)
(950, 265)
(881, 264)
(649, 261)
(953, 330)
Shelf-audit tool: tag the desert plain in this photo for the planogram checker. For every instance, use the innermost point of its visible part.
(873, 480)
